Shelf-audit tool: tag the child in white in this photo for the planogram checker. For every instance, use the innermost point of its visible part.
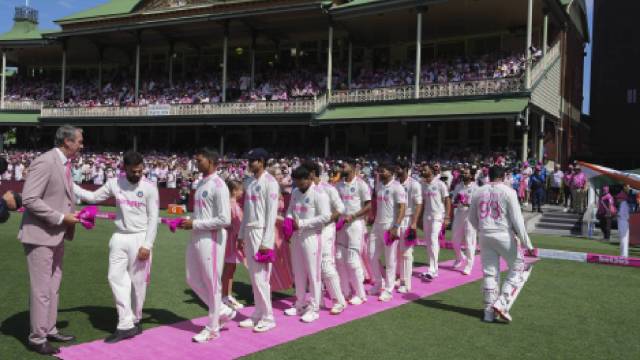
(310, 210)
(495, 213)
(436, 211)
(414, 205)
(257, 232)
(206, 251)
(136, 222)
(391, 200)
(355, 195)
(463, 231)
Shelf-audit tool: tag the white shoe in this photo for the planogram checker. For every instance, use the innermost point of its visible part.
(264, 326)
(489, 316)
(356, 300)
(500, 309)
(385, 296)
(292, 311)
(232, 302)
(374, 291)
(429, 275)
(310, 316)
(403, 289)
(337, 309)
(398, 283)
(226, 317)
(467, 270)
(458, 263)
(247, 323)
(205, 335)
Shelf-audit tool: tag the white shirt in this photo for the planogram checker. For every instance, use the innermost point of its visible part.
(414, 195)
(623, 212)
(211, 208)
(354, 194)
(557, 179)
(261, 206)
(387, 198)
(433, 195)
(468, 190)
(334, 197)
(310, 209)
(495, 208)
(136, 205)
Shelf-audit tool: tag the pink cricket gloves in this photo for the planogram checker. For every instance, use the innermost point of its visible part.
(287, 228)
(265, 256)
(173, 224)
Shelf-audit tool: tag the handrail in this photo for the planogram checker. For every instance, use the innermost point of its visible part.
(543, 64)
(22, 105)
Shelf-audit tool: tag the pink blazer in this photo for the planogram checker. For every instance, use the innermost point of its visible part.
(46, 196)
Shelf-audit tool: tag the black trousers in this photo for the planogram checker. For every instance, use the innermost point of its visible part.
(605, 226)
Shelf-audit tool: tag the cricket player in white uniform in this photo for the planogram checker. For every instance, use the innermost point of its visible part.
(356, 196)
(391, 201)
(410, 221)
(437, 206)
(330, 276)
(463, 232)
(495, 213)
(206, 250)
(257, 234)
(310, 211)
(137, 204)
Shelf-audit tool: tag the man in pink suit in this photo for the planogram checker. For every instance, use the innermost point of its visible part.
(48, 220)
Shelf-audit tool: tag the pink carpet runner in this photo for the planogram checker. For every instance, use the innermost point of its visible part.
(174, 341)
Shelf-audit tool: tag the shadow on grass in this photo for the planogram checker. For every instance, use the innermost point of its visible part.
(17, 326)
(438, 304)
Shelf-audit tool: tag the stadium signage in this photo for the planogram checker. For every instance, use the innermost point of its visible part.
(159, 110)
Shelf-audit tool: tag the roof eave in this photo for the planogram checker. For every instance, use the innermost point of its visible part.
(347, 12)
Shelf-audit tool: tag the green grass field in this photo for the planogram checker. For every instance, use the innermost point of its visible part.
(567, 311)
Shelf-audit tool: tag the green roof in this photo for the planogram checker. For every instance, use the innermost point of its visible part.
(19, 118)
(24, 30)
(112, 7)
(428, 109)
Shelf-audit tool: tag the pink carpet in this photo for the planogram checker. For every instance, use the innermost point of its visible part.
(174, 341)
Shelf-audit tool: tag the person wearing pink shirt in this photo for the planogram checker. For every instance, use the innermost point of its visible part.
(232, 255)
(579, 191)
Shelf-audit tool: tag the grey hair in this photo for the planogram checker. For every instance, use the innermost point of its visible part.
(65, 132)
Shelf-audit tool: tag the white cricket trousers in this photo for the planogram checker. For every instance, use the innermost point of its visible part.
(431, 228)
(306, 258)
(330, 275)
(204, 263)
(259, 274)
(376, 248)
(623, 234)
(128, 277)
(496, 245)
(464, 234)
(405, 255)
(349, 259)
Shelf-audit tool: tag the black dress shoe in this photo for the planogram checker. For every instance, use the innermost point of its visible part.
(120, 335)
(59, 337)
(44, 349)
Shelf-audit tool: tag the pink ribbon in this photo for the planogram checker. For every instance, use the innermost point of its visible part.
(267, 256)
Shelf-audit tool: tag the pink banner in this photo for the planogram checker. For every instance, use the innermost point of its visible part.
(613, 260)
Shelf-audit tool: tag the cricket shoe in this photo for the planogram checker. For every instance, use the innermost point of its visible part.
(310, 316)
(403, 289)
(293, 311)
(227, 315)
(467, 269)
(232, 302)
(206, 335)
(501, 310)
(264, 326)
(489, 315)
(337, 309)
(247, 323)
(386, 296)
(429, 275)
(356, 300)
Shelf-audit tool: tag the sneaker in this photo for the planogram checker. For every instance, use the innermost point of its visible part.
(206, 335)
(227, 316)
(264, 326)
(337, 309)
(247, 323)
(403, 289)
(232, 302)
(467, 270)
(489, 316)
(385, 296)
(374, 291)
(356, 300)
(430, 275)
(501, 311)
(292, 311)
(310, 316)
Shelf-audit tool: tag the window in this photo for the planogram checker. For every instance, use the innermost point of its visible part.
(632, 96)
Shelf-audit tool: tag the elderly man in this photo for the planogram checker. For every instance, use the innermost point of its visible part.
(48, 220)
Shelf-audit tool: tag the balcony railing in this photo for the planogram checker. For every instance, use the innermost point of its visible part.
(543, 64)
(22, 105)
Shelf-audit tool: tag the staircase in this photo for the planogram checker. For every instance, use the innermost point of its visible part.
(556, 222)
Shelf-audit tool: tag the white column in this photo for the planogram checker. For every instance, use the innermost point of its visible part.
(350, 65)
(330, 62)
(4, 80)
(414, 149)
(545, 34)
(137, 72)
(418, 54)
(326, 147)
(541, 138)
(64, 72)
(529, 37)
(525, 136)
(221, 145)
(225, 41)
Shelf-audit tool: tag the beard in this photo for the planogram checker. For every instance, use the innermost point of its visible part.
(344, 174)
(133, 179)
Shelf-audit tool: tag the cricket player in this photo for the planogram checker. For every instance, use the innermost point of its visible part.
(437, 206)
(495, 213)
(206, 250)
(410, 221)
(310, 211)
(257, 234)
(137, 204)
(391, 201)
(356, 196)
(330, 276)
(463, 232)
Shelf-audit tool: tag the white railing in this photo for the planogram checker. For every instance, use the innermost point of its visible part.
(553, 53)
(100, 111)
(452, 89)
(22, 105)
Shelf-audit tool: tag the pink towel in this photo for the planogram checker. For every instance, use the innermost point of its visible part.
(388, 238)
(287, 228)
(87, 216)
(173, 224)
(267, 256)
(340, 224)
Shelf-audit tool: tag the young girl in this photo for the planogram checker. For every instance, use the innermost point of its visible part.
(232, 255)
